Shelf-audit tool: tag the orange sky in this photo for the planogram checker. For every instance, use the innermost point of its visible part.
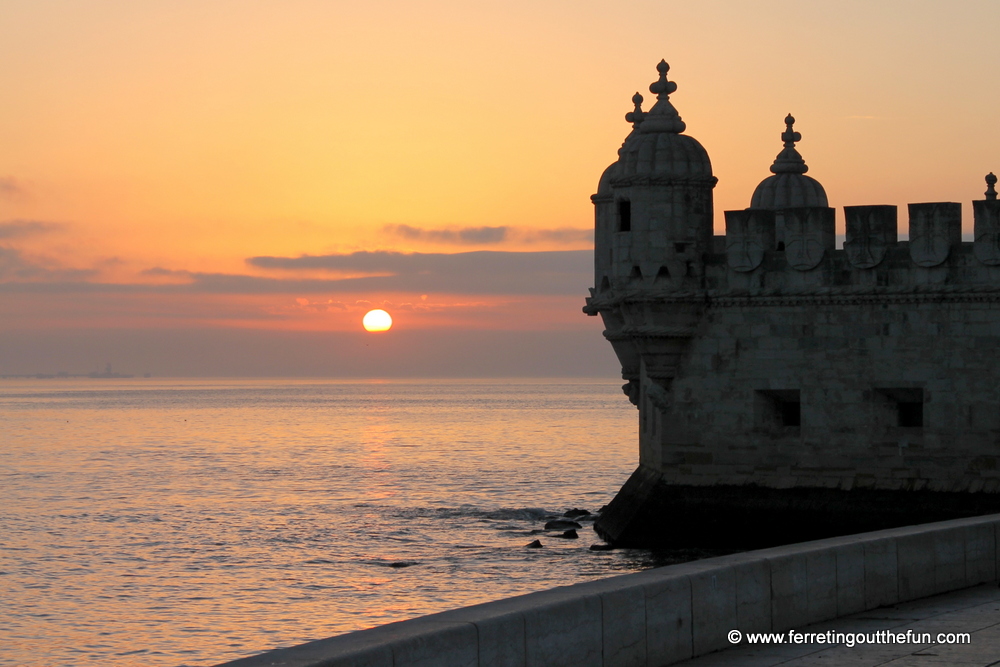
(146, 142)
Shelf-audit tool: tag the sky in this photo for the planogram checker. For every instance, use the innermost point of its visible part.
(219, 187)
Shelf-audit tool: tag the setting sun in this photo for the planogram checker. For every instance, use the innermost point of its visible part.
(377, 320)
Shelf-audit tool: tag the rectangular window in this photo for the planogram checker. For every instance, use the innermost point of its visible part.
(791, 413)
(624, 215)
(901, 406)
(910, 414)
(778, 408)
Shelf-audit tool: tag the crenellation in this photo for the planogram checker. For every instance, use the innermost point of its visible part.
(872, 256)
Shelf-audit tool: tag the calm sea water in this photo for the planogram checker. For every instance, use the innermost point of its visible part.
(160, 522)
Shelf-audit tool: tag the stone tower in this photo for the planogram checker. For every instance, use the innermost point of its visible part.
(653, 228)
(788, 389)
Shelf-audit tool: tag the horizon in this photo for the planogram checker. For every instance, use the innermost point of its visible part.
(309, 378)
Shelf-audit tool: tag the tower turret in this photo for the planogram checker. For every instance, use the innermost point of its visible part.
(654, 204)
(653, 228)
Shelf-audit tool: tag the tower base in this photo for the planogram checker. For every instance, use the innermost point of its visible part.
(650, 513)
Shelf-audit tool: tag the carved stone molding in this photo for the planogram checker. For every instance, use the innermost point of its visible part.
(933, 229)
(847, 295)
(870, 232)
(808, 234)
(749, 234)
(987, 235)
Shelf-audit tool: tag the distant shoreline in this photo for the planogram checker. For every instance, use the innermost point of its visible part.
(72, 376)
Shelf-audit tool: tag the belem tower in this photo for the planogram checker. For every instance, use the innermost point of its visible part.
(786, 388)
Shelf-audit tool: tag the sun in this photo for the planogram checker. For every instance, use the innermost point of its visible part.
(377, 320)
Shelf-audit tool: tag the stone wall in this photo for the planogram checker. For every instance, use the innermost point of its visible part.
(894, 391)
(851, 373)
(796, 365)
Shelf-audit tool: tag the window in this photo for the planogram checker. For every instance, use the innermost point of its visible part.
(791, 412)
(624, 215)
(902, 407)
(910, 414)
(778, 408)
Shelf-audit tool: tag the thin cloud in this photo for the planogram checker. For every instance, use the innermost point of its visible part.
(463, 236)
(561, 235)
(361, 305)
(10, 188)
(14, 266)
(12, 229)
(479, 272)
(492, 235)
(160, 272)
(483, 272)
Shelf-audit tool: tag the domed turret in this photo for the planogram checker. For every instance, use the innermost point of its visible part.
(789, 187)
(654, 204)
(653, 228)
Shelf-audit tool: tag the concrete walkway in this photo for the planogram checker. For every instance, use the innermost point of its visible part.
(973, 610)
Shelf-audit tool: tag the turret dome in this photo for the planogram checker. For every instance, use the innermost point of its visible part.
(655, 150)
(789, 187)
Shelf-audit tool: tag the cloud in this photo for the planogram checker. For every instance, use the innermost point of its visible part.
(361, 305)
(566, 272)
(11, 229)
(465, 236)
(561, 235)
(493, 235)
(14, 266)
(160, 272)
(9, 187)
(480, 272)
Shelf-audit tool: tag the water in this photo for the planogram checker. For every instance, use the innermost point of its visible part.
(162, 522)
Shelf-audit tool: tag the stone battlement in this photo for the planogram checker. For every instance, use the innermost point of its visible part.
(794, 248)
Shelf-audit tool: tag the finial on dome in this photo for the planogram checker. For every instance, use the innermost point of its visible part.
(661, 87)
(663, 117)
(635, 117)
(991, 180)
(788, 160)
(789, 136)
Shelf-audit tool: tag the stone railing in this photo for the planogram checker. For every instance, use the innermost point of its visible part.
(662, 616)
